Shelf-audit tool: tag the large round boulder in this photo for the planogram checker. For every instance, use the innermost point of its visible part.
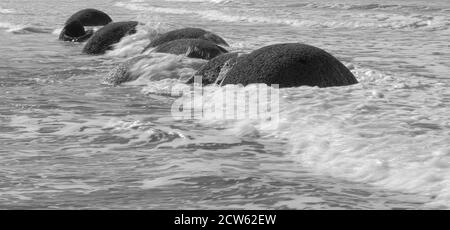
(90, 17)
(290, 65)
(186, 33)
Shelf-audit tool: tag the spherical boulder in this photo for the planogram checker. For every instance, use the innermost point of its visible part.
(104, 38)
(90, 17)
(290, 65)
(186, 33)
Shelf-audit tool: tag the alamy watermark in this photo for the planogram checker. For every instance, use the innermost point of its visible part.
(228, 103)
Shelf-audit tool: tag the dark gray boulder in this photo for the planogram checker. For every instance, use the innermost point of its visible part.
(104, 38)
(186, 33)
(290, 65)
(90, 17)
(74, 31)
(193, 48)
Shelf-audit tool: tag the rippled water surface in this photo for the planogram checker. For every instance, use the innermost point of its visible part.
(67, 140)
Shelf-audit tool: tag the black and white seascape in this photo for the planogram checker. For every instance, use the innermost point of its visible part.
(225, 104)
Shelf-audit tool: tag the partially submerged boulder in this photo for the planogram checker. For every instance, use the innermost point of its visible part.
(290, 65)
(104, 38)
(90, 17)
(186, 33)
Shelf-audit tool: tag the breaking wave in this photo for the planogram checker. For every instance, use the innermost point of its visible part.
(376, 132)
(374, 6)
(6, 11)
(24, 29)
(366, 20)
(204, 1)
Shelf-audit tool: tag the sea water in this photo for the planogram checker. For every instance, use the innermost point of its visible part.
(68, 140)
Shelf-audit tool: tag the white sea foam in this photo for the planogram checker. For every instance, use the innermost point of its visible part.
(6, 11)
(23, 29)
(376, 132)
(204, 1)
(374, 6)
(9, 26)
(57, 31)
(364, 20)
(144, 7)
(134, 44)
(160, 66)
(90, 131)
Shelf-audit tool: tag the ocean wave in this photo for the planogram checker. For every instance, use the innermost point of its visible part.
(205, 1)
(31, 30)
(133, 45)
(8, 26)
(24, 29)
(366, 20)
(6, 11)
(152, 66)
(375, 132)
(384, 140)
(373, 6)
(144, 7)
(160, 66)
(96, 131)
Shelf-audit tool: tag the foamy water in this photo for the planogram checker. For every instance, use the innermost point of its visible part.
(6, 11)
(68, 140)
